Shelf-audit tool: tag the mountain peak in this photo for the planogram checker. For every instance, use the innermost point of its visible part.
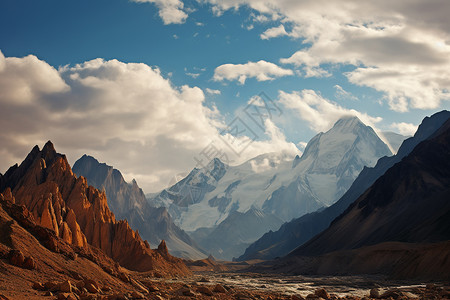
(348, 122)
(49, 146)
(48, 151)
(86, 157)
(67, 206)
(162, 249)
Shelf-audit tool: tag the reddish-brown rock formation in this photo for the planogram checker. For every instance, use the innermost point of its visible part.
(33, 258)
(78, 213)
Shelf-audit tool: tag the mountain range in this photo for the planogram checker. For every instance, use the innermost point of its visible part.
(127, 201)
(272, 186)
(298, 231)
(399, 226)
(70, 212)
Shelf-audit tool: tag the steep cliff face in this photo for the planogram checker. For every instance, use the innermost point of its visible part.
(79, 213)
(127, 201)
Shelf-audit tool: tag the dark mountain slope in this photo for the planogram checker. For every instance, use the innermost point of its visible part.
(298, 231)
(409, 203)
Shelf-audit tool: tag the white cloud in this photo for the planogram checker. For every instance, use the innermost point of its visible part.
(274, 32)
(302, 145)
(400, 48)
(343, 94)
(261, 70)
(407, 129)
(319, 112)
(408, 87)
(193, 75)
(170, 11)
(23, 79)
(212, 91)
(125, 114)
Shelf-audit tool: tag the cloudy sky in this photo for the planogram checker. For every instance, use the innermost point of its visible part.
(156, 87)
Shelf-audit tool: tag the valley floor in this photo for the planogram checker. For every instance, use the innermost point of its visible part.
(214, 285)
(266, 286)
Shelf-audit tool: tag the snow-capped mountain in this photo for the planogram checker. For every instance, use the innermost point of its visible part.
(276, 184)
(394, 139)
(296, 232)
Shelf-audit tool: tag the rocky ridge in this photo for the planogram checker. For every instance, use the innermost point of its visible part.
(127, 201)
(78, 213)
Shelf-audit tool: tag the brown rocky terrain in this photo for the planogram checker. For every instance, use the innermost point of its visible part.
(77, 213)
(34, 261)
(209, 264)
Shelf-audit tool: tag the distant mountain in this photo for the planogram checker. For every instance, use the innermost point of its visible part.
(298, 231)
(400, 226)
(409, 203)
(394, 139)
(281, 186)
(76, 213)
(127, 201)
(236, 232)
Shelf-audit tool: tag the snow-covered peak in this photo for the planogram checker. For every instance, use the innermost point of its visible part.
(277, 183)
(347, 123)
(349, 138)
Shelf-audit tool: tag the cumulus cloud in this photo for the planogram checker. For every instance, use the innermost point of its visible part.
(261, 70)
(408, 87)
(407, 129)
(124, 114)
(400, 48)
(321, 113)
(212, 91)
(274, 32)
(170, 11)
(22, 80)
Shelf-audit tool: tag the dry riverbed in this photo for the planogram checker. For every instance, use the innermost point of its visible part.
(264, 286)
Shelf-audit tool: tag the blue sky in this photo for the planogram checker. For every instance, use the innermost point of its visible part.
(85, 88)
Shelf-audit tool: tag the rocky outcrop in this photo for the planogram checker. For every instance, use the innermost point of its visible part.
(30, 252)
(127, 201)
(78, 213)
